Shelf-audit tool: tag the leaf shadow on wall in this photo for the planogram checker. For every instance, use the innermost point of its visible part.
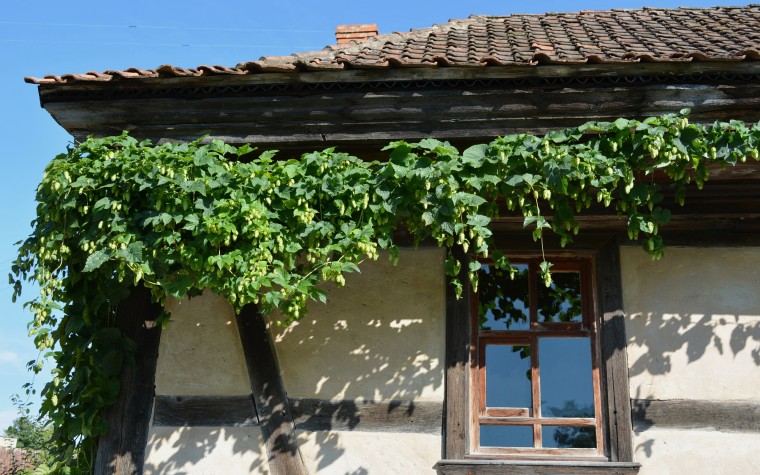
(693, 334)
(375, 351)
(188, 450)
(688, 356)
(378, 345)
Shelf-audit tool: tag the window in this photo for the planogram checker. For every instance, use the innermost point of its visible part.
(537, 378)
(535, 363)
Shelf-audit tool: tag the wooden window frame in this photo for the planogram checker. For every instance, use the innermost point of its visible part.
(617, 431)
(480, 340)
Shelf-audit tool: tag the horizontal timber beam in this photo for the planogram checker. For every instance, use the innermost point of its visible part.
(309, 119)
(518, 467)
(394, 416)
(724, 416)
(308, 414)
(210, 411)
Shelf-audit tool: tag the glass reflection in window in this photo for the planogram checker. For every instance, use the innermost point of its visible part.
(508, 376)
(568, 437)
(503, 302)
(506, 436)
(566, 378)
(560, 302)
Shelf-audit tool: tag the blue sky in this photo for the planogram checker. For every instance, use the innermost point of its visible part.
(44, 37)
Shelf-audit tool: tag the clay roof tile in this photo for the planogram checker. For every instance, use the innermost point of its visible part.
(612, 36)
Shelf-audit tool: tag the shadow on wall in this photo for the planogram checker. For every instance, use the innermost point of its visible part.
(379, 339)
(693, 328)
(690, 337)
(189, 451)
(691, 357)
(378, 345)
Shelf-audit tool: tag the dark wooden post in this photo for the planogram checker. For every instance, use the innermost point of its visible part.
(122, 450)
(457, 356)
(269, 396)
(614, 358)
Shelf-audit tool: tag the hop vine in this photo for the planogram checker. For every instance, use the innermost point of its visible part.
(179, 218)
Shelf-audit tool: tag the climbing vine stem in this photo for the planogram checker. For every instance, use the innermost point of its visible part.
(179, 218)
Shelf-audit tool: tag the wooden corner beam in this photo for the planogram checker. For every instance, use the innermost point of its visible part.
(269, 395)
(122, 450)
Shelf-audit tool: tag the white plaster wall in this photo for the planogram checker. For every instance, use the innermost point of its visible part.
(200, 351)
(200, 354)
(693, 323)
(369, 453)
(205, 451)
(679, 452)
(380, 337)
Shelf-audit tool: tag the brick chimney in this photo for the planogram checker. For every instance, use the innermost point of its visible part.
(347, 33)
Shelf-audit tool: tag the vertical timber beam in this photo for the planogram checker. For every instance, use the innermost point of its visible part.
(122, 450)
(269, 396)
(614, 358)
(457, 358)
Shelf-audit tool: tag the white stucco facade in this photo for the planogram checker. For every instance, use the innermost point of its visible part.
(200, 354)
(200, 351)
(206, 451)
(380, 338)
(693, 329)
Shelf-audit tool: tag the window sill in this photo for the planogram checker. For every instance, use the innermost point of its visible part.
(535, 467)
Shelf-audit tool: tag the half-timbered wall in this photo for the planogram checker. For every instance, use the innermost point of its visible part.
(693, 327)
(364, 378)
(364, 373)
(200, 355)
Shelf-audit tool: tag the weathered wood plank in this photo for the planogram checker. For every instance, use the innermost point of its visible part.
(417, 74)
(725, 416)
(394, 416)
(344, 116)
(122, 450)
(682, 230)
(339, 111)
(456, 424)
(519, 467)
(614, 359)
(269, 396)
(308, 414)
(210, 411)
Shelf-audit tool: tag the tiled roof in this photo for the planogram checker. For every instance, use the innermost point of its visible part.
(614, 36)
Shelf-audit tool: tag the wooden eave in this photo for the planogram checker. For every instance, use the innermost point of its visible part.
(368, 108)
(360, 111)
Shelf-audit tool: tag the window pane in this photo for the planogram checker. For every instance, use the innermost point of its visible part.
(506, 436)
(566, 385)
(555, 437)
(508, 376)
(561, 302)
(503, 302)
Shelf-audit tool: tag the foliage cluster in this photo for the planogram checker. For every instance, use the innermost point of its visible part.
(30, 434)
(31, 453)
(178, 218)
